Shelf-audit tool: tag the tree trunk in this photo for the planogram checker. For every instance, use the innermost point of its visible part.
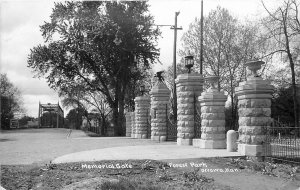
(103, 125)
(292, 65)
(232, 123)
(236, 116)
(121, 110)
(117, 112)
(115, 119)
(232, 103)
(121, 118)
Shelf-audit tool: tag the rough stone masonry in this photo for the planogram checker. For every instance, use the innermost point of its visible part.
(189, 86)
(133, 128)
(254, 109)
(128, 124)
(142, 111)
(160, 95)
(212, 104)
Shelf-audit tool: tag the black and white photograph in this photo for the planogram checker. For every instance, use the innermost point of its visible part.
(150, 95)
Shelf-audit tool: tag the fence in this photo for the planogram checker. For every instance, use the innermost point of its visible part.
(172, 126)
(94, 129)
(283, 143)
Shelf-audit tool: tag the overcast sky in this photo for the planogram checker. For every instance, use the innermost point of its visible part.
(19, 30)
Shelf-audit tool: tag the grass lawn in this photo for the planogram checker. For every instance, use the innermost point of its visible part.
(138, 174)
(144, 174)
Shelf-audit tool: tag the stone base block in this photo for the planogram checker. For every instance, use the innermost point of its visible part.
(159, 138)
(251, 150)
(132, 136)
(141, 136)
(128, 135)
(144, 136)
(155, 138)
(184, 142)
(163, 138)
(209, 144)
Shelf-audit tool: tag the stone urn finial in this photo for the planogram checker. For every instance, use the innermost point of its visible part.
(212, 80)
(159, 76)
(254, 66)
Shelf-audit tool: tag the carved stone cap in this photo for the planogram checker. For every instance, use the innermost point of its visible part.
(160, 88)
(142, 98)
(212, 80)
(212, 97)
(189, 77)
(128, 114)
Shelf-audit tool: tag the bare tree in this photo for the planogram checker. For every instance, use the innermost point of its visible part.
(78, 96)
(217, 28)
(97, 100)
(282, 28)
(227, 45)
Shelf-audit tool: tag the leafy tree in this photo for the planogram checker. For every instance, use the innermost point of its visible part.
(99, 45)
(281, 76)
(74, 117)
(23, 121)
(282, 27)
(282, 105)
(133, 89)
(11, 101)
(74, 98)
(78, 97)
(6, 112)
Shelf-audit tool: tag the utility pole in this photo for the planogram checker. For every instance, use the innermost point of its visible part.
(174, 65)
(175, 28)
(201, 40)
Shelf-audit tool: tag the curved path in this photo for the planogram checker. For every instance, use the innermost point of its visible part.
(28, 146)
(154, 152)
(43, 145)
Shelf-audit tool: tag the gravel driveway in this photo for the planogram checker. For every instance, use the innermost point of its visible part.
(27, 146)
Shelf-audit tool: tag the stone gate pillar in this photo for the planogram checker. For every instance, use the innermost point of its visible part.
(188, 87)
(160, 95)
(254, 109)
(128, 124)
(133, 128)
(212, 117)
(142, 111)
